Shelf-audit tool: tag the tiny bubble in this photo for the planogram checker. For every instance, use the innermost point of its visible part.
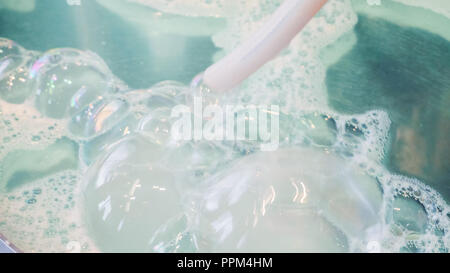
(31, 201)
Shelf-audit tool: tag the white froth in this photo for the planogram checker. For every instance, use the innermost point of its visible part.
(45, 216)
(23, 127)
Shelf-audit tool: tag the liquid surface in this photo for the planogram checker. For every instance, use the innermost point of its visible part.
(87, 162)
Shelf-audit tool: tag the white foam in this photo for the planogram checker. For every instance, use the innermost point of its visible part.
(45, 216)
(23, 127)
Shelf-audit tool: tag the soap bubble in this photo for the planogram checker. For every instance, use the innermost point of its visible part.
(92, 148)
(410, 214)
(157, 125)
(195, 161)
(130, 199)
(146, 111)
(10, 48)
(153, 107)
(165, 94)
(98, 117)
(69, 79)
(15, 63)
(321, 129)
(271, 195)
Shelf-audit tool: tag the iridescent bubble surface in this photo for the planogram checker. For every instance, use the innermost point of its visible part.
(15, 63)
(98, 117)
(69, 79)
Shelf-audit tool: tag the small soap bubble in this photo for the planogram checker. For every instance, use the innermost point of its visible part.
(15, 63)
(31, 201)
(69, 79)
(98, 117)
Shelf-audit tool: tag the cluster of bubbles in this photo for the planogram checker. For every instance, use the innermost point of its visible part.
(22, 127)
(68, 93)
(324, 189)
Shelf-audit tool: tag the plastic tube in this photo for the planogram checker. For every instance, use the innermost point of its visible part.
(288, 20)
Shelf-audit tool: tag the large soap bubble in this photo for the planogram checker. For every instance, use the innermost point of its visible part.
(131, 200)
(15, 63)
(296, 199)
(69, 79)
